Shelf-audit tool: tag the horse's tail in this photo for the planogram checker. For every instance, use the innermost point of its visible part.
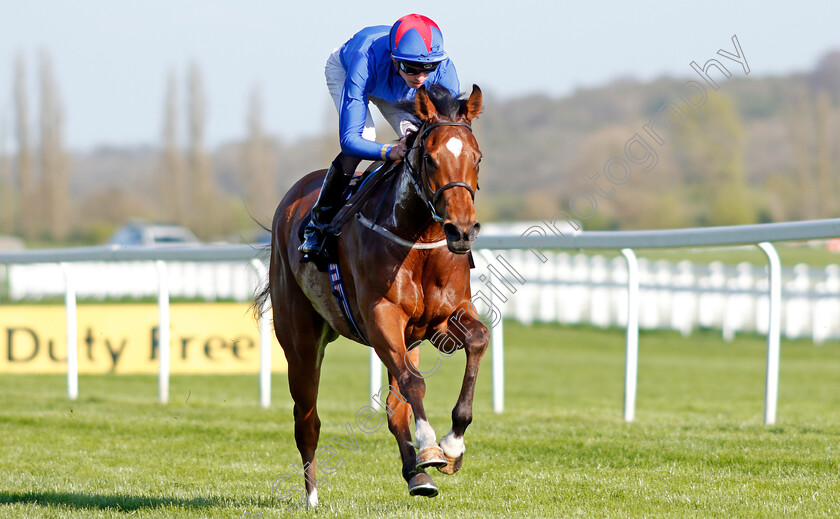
(263, 290)
(261, 293)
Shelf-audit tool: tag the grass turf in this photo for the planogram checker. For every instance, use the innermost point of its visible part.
(560, 449)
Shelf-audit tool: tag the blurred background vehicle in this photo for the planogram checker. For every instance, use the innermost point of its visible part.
(9, 243)
(152, 235)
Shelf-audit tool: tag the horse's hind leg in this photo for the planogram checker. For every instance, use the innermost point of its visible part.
(474, 336)
(304, 353)
(303, 334)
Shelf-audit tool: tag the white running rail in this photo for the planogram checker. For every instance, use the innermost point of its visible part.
(535, 239)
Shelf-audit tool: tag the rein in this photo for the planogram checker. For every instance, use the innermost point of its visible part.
(420, 177)
(420, 180)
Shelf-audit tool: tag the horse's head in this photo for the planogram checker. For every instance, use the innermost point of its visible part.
(444, 160)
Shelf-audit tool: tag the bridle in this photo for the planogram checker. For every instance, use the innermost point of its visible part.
(420, 177)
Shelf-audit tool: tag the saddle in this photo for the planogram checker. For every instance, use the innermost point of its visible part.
(357, 192)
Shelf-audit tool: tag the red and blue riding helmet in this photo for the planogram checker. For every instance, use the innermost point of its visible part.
(417, 38)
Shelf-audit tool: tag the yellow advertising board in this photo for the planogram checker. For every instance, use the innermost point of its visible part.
(117, 338)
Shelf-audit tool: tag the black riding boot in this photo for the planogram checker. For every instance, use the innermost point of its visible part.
(328, 203)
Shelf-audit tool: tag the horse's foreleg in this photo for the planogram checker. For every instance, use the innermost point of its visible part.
(389, 342)
(474, 337)
(429, 453)
(399, 420)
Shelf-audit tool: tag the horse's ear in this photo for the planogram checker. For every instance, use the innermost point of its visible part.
(472, 107)
(424, 106)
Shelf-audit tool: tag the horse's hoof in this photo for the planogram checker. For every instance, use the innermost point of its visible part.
(431, 457)
(452, 464)
(421, 484)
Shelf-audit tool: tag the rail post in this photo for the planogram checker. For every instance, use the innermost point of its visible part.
(497, 344)
(72, 335)
(771, 387)
(631, 361)
(265, 339)
(163, 331)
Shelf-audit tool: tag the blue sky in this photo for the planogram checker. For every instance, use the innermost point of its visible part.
(112, 58)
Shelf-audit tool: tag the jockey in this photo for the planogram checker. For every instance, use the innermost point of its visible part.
(383, 65)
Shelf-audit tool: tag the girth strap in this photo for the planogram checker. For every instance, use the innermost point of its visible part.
(343, 303)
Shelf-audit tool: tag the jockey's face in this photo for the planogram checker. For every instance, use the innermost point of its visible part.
(412, 80)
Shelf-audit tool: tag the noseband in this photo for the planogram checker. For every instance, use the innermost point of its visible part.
(420, 177)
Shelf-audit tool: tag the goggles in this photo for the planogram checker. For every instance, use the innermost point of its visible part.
(412, 68)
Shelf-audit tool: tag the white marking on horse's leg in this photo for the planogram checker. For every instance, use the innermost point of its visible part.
(424, 435)
(455, 146)
(453, 446)
(312, 499)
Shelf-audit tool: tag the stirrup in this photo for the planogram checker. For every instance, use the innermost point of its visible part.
(318, 242)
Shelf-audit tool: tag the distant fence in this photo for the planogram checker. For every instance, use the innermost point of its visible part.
(100, 280)
(556, 287)
(97, 266)
(683, 296)
(566, 289)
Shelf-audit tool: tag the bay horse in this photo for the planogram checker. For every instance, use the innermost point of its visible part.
(402, 284)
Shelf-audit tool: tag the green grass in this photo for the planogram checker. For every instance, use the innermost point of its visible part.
(561, 449)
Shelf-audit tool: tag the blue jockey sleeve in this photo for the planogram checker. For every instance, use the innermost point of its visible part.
(370, 73)
(351, 118)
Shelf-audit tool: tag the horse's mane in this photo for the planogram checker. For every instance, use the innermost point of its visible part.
(447, 105)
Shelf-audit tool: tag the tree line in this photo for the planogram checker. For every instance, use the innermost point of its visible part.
(180, 184)
(765, 150)
(34, 181)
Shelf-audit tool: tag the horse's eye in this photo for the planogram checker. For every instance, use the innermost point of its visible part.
(430, 162)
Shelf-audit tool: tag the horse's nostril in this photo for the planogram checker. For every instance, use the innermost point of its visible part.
(474, 231)
(452, 232)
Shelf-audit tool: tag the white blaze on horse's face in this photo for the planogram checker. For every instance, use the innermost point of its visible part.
(459, 222)
(455, 146)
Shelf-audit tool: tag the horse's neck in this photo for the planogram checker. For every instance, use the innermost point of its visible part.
(408, 215)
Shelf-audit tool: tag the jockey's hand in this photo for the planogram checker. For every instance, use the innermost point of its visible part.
(398, 151)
